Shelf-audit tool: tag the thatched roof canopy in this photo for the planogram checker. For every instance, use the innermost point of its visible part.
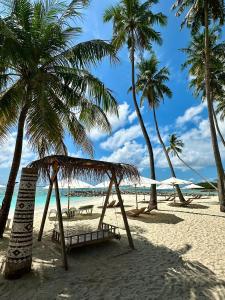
(80, 168)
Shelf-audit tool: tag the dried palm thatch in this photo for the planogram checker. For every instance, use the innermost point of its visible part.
(80, 168)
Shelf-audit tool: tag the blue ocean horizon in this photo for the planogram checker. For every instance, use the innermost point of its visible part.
(41, 194)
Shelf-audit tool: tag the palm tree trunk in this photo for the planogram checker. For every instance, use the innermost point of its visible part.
(202, 177)
(153, 199)
(179, 193)
(219, 165)
(4, 212)
(217, 127)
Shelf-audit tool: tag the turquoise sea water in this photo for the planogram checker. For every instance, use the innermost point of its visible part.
(41, 196)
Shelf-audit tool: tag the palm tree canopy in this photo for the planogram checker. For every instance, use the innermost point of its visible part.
(132, 23)
(196, 62)
(176, 145)
(151, 80)
(43, 69)
(194, 17)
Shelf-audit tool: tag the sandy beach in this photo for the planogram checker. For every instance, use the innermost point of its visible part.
(179, 255)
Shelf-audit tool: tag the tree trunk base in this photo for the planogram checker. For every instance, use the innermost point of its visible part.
(14, 271)
(222, 208)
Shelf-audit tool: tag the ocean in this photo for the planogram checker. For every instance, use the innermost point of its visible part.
(42, 193)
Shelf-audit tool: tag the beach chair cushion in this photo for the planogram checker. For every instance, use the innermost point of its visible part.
(86, 209)
(136, 212)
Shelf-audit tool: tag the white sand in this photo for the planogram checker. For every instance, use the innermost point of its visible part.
(180, 254)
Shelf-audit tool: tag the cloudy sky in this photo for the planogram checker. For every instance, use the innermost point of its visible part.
(182, 114)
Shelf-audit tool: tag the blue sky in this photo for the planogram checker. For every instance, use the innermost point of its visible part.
(182, 114)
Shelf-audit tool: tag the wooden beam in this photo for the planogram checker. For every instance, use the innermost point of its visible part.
(61, 231)
(105, 204)
(130, 240)
(51, 180)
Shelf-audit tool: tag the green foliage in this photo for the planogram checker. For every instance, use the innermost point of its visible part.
(196, 63)
(151, 81)
(44, 69)
(208, 185)
(176, 145)
(133, 23)
(195, 17)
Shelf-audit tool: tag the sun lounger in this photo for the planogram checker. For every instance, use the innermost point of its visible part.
(86, 209)
(72, 212)
(52, 212)
(136, 212)
(149, 209)
(111, 204)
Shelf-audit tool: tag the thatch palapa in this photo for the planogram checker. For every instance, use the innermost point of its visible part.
(80, 168)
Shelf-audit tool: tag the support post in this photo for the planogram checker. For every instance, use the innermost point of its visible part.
(61, 231)
(105, 203)
(136, 196)
(19, 255)
(130, 240)
(45, 209)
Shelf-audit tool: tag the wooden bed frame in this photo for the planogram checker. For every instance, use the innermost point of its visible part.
(74, 240)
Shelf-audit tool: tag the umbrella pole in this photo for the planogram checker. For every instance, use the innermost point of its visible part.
(136, 196)
(68, 200)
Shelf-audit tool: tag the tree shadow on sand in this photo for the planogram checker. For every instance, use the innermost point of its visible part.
(112, 271)
(191, 205)
(157, 217)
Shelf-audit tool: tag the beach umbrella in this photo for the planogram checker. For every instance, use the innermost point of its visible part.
(103, 184)
(164, 187)
(63, 184)
(144, 181)
(193, 186)
(74, 184)
(174, 181)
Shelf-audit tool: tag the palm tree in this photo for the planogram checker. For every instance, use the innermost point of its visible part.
(200, 14)
(151, 81)
(47, 89)
(176, 148)
(196, 63)
(133, 23)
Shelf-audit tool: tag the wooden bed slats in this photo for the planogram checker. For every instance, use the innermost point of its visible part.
(73, 240)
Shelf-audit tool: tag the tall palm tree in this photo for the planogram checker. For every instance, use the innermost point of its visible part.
(196, 63)
(46, 88)
(151, 81)
(200, 14)
(133, 23)
(176, 148)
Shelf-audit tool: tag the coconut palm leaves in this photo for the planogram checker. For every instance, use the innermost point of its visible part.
(176, 146)
(201, 13)
(133, 23)
(195, 12)
(151, 81)
(46, 86)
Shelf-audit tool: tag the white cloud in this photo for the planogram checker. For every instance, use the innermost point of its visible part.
(132, 117)
(132, 153)
(197, 151)
(125, 116)
(121, 136)
(7, 151)
(191, 115)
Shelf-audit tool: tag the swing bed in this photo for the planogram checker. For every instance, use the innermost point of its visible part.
(66, 167)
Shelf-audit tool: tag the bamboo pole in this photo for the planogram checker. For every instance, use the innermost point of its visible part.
(59, 213)
(130, 240)
(105, 203)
